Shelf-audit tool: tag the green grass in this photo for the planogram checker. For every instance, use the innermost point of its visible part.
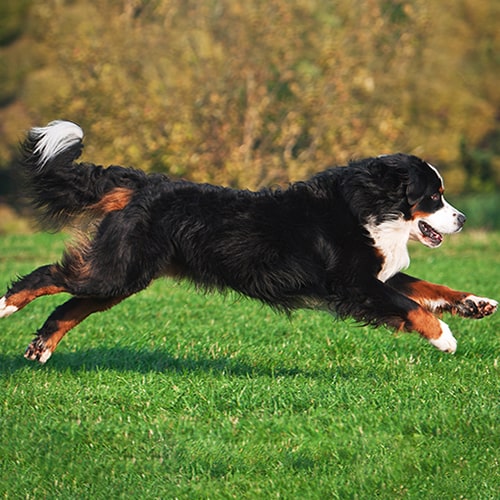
(173, 394)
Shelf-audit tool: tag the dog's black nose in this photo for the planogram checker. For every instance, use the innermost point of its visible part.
(461, 218)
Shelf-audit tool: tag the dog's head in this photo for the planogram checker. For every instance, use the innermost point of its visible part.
(424, 207)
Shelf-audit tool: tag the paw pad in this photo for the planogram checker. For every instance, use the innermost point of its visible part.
(477, 307)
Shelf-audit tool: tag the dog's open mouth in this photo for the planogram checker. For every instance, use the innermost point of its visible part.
(430, 236)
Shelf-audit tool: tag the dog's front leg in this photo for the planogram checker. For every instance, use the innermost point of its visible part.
(377, 303)
(439, 298)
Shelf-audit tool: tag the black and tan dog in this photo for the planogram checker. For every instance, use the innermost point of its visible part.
(336, 242)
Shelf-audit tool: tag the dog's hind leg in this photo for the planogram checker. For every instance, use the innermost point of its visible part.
(63, 319)
(42, 281)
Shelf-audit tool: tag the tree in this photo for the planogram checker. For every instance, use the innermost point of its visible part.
(257, 92)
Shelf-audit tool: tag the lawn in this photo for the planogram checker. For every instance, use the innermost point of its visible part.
(173, 394)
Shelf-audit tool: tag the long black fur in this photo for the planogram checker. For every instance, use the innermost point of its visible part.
(335, 242)
(304, 246)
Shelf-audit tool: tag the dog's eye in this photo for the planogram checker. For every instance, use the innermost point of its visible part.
(435, 197)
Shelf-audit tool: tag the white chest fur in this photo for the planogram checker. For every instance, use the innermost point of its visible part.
(391, 239)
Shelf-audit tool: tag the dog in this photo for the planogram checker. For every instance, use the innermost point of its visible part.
(336, 242)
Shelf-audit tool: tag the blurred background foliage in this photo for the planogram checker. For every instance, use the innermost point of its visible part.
(258, 92)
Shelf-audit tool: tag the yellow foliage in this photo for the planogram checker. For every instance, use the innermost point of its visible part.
(259, 92)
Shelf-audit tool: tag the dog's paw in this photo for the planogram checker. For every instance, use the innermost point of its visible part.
(38, 351)
(476, 307)
(446, 342)
(5, 309)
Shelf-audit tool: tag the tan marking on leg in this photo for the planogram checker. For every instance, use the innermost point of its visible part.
(24, 297)
(434, 330)
(423, 291)
(425, 323)
(71, 314)
(6, 309)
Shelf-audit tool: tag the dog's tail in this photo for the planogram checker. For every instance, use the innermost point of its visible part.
(63, 189)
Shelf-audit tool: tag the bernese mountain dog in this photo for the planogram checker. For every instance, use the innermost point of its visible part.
(336, 242)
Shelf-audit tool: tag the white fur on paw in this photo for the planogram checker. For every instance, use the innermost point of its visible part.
(6, 310)
(446, 342)
(44, 357)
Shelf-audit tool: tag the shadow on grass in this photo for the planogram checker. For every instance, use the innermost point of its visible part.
(144, 361)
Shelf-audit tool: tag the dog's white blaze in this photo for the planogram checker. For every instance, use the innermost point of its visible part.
(6, 310)
(446, 342)
(391, 238)
(55, 138)
(440, 177)
(445, 220)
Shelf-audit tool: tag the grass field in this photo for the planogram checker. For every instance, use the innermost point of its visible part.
(174, 394)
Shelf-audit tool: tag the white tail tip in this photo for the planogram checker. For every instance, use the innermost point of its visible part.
(55, 138)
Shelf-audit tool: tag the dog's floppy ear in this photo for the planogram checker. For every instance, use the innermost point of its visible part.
(375, 187)
(394, 173)
(416, 186)
(409, 173)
